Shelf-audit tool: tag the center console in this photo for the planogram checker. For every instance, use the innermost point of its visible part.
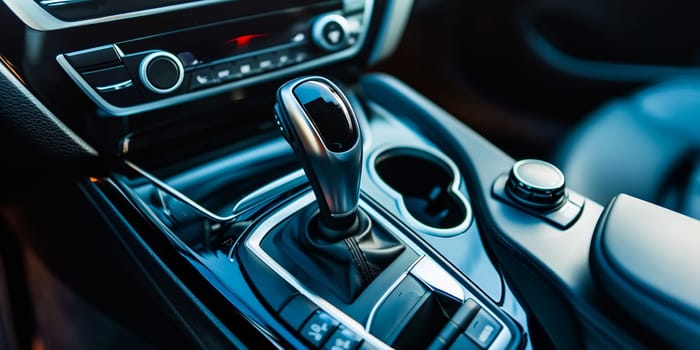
(345, 212)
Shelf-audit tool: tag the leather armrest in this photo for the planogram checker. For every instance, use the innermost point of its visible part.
(647, 261)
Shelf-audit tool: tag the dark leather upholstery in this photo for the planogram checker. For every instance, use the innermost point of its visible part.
(637, 145)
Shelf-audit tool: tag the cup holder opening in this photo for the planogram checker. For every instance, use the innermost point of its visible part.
(424, 183)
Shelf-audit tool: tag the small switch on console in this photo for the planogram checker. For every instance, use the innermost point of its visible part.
(318, 328)
(343, 339)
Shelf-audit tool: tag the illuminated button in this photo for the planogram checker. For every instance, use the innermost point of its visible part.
(201, 78)
(246, 67)
(224, 72)
(318, 328)
(266, 62)
(283, 58)
(343, 339)
(483, 329)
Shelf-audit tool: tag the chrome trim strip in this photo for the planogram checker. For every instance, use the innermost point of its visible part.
(438, 280)
(180, 196)
(191, 96)
(382, 299)
(58, 3)
(34, 16)
(393, 25)
(398, 198)
(115, 87)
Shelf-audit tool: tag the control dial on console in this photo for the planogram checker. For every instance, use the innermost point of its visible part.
(536, 184)
(330, 32)
(161, 72)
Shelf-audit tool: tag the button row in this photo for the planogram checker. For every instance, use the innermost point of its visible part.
(243, 68)
(317, 327)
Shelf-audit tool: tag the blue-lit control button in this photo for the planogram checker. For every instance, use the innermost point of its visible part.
(224, 72)
(246, 67)
(201, 78)
(283, 58)
(343, 339)
(483, 329)
(266, 62)
(317, 329)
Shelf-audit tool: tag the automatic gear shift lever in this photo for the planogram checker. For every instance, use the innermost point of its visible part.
(317, 120)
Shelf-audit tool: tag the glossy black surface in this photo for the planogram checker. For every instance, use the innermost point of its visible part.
(329, 115)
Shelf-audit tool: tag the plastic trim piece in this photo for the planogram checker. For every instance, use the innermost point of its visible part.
(37, 18)
(394, 22)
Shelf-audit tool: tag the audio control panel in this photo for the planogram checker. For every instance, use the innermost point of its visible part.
(144, 74)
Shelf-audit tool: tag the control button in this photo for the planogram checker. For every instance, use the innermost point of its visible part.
(283, 58)
(536, 184)
(463, 343)
(343, 339)
(465, 313)
(266, 63)
(103, 56)
(161, 72)
(299, 56)
(109, 79)
(297, 311)
(483, 329)
(318, 328)
(330, 32)
(201, 77)
(246, 67)
(224, 72)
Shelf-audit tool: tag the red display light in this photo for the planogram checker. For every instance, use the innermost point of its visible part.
(243, 40)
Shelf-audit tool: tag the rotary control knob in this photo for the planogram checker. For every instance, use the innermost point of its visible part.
(161, 72)
(536, 184)
(330, 32)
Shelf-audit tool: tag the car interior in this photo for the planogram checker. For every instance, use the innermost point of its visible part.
(349, 174)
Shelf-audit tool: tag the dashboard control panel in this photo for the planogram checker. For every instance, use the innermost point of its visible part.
(143, 74)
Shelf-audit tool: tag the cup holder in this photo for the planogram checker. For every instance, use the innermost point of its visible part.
(426, 187)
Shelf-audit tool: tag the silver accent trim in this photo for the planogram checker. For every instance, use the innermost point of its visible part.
(143, 71)
(57, 3)
(317, 31)
(180, 196)
(254, 241)
(438, 280)
(337, 174)
(115, 87)
(382, 299)
(34, 16)
(191, 96)
(398, 198)
(394, 23)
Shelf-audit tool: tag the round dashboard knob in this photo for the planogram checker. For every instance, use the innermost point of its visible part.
(536, 184)
(330, 32)
(161, 72)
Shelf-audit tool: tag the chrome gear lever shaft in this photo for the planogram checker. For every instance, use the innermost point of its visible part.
(317, 120)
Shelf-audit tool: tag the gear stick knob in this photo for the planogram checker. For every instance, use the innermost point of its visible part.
(317, 120)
